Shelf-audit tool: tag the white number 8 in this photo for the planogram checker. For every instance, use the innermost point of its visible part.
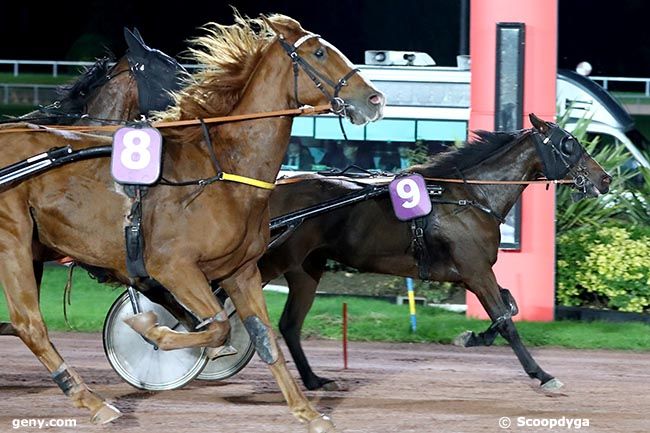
(136, 143)
(408, 190)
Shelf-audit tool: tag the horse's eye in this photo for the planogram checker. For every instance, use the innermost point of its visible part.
(319, 53)
(567, 147)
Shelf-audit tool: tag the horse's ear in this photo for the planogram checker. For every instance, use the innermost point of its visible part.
(272, 26)
(137, 34)
(539, 124)
(136, 46)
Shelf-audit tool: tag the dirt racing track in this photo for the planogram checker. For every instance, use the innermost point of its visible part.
(396, 388)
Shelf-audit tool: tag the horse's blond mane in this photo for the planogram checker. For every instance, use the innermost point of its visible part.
(230, 53)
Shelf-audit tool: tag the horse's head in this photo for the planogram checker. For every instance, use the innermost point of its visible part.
(323, 74)
(156, 73)
(562, 154)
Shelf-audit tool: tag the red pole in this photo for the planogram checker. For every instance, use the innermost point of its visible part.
(345, 336)
(529, 273)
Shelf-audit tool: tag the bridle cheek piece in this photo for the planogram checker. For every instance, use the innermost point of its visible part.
(560, 157)
(339, 106)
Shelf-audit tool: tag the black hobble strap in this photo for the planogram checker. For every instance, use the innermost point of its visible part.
(133, 233)
(419, 246)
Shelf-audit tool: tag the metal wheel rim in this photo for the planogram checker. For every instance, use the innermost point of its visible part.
(227, 366)
(136, 361)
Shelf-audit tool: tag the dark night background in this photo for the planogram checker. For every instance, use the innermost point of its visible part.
(612, 35)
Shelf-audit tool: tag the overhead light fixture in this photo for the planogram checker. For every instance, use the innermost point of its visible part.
(584, 68)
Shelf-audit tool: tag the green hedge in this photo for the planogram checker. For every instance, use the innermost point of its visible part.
(606, 266)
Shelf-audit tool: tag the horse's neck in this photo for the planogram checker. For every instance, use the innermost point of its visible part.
(519, 163)
(255, 148)
(116, 100)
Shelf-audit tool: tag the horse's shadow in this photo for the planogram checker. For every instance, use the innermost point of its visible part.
(268, 393)
(128, 404)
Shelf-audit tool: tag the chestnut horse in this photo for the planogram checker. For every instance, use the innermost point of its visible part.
(462, 241)
(194, 233)
(109, 94)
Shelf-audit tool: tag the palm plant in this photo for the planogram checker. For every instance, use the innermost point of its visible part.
(614, 206)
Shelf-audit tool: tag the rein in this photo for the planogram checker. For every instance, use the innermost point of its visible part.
(500, 182)
(305, 110)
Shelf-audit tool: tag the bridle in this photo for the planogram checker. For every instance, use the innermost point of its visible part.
(561, 154)
(298, 62)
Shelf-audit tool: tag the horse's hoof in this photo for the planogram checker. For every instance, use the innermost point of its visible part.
(142, 322)
(552, 385)
(463, 339)
(218, 352)
(322, 424)
(105, 414)
(330, 386)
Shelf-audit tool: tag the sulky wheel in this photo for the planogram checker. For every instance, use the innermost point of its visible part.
(227, 366)
(140, 363)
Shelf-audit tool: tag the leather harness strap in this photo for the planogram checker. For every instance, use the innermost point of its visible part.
(305, 110)
(419, 245)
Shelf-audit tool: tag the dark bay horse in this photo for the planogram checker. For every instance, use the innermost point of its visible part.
(462, 241)
(194, 233)
(138, 83)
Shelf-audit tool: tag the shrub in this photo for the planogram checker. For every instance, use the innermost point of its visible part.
(605, 266)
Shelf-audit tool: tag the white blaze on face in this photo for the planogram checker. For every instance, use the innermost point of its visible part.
(368, 113)
(347, 61)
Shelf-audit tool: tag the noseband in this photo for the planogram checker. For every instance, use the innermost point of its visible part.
(560, 152)
(338, 104)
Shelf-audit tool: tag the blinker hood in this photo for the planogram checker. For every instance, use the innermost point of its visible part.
(559, 152)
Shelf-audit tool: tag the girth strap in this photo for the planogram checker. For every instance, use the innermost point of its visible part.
(419, 244)
(133, 235)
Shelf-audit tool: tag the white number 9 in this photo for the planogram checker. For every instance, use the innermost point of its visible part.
(136, 143)
(408, 190)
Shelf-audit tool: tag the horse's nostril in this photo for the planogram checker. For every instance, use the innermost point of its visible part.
(607, 179)
(376, 99)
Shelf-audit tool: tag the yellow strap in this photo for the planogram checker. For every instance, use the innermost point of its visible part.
(247, 181)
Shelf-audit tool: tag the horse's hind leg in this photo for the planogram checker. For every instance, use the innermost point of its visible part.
(6, 328)
(486, 338)
(19, 283)
(245, 290)
(485, 287)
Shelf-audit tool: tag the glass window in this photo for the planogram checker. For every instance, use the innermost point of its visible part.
(389, 145)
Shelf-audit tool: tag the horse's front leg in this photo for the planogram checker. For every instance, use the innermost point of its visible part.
(302, 291)
(191, 289)
(483, 284)
(245, 291)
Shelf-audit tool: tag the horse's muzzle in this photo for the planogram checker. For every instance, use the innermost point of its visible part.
(367, 111)
(605, 182)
